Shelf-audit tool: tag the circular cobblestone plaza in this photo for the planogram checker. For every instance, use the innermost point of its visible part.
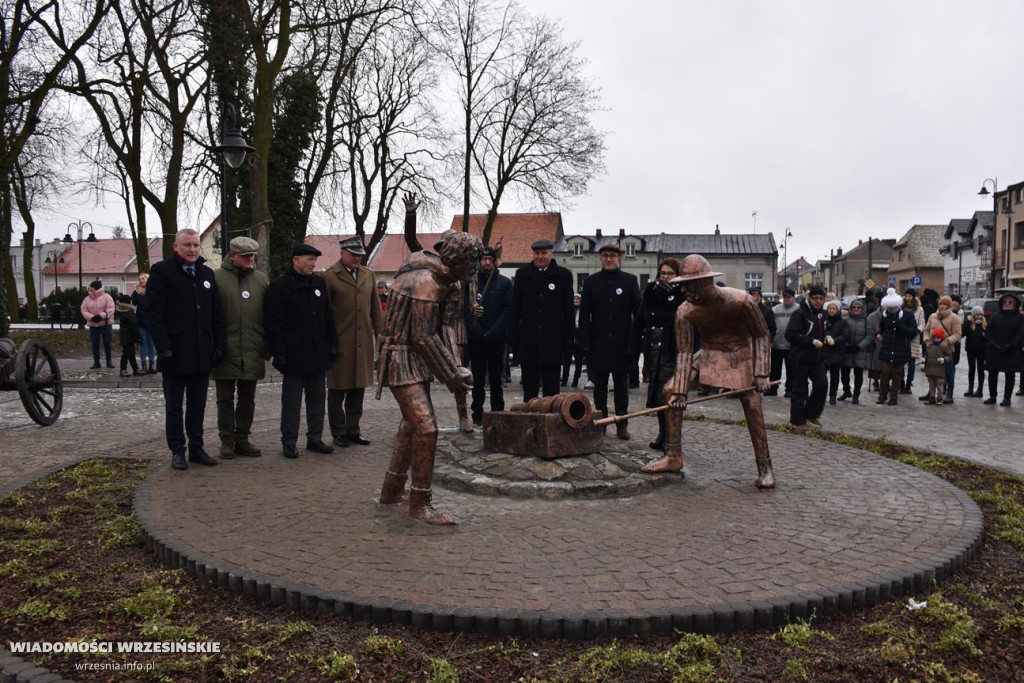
(544, 548)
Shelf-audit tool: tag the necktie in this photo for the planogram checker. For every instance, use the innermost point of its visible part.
(191, 270)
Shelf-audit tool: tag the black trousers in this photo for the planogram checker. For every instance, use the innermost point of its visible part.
(780, 359)
(804, 406)
(858, 380)
(537, 376)
(314, 385)
(128, 356)
(993, 384)
(575, 356)
(188, 390)
(621, 379)
(834, 373)
(486, 362)
(975, 361)
(234, 421)
(345, 410)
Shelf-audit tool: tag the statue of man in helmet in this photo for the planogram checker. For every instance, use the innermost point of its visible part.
(735, 354)
(423, 337)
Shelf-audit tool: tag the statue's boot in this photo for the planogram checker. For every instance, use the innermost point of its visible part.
(672, 461)
(393, 490)
(421, 509)
(765, 475)
(465, 422)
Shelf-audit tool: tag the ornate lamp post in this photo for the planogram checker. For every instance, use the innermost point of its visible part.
(995, 210)
(233, 149)
(54, 257)
(79, 226)
(785, 259)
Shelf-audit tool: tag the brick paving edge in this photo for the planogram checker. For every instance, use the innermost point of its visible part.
(307, 599)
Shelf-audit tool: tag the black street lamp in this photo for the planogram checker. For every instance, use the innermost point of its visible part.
(785, 259)
(233, 149)
(995, 224)
(79, 226)
(54, 257)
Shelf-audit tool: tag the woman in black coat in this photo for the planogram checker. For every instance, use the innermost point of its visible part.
(835, 347)
(975, 329)
(1004, 338)
(654, 335)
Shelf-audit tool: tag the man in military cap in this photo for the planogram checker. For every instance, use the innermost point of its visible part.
(358, 316)
(490, 302)
(542, 321)
(421, 338)
(241, 289)
(303, 342)
(735, 354)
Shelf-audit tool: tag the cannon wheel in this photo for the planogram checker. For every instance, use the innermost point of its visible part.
(37, 377)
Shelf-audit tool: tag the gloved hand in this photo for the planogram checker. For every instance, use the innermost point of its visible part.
(163, 360)
(96, 318)
(280, 363)
(332, 354)
(478, 311)
(218, 356)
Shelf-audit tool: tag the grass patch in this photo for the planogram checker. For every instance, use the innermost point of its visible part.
(13, 500)
(800, 634)
(151, 603)
(32, 547)
(294, 629)
(121, 531)
(376, 644)
(439, 670)
(38, 610)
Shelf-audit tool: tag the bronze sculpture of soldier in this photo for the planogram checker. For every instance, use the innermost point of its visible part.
(735, 354)
(421, 339)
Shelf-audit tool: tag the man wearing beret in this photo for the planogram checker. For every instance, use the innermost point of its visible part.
(542, 321)
(303, 342)
(242, 289)
(358, 316)
(609, 300)
(187, 324)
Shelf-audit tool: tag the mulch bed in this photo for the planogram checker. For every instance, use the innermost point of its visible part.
(72, 567)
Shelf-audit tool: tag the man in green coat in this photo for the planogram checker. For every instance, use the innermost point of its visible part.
(241, 289)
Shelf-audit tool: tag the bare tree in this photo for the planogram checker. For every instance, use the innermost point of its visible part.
(535, 133)
(473, 36)
(143, 77)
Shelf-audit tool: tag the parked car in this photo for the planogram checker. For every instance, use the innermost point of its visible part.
(990, 306)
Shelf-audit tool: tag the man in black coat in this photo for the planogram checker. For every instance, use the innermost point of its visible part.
(608, 302)
(302, 340)
(486, 332)
(766, 310)
(541, 322)
(806, 336)
(187, 323)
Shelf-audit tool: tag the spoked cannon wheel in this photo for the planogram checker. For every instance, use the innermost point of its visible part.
(37, 377)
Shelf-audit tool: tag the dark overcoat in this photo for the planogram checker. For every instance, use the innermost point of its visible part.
(897, 332)
(299, 324)
(1004, 337)
(608, 302)
(835, 326)
(492, 326)
(805, 326)
(541, 324)
(185, 316)
(654, 336)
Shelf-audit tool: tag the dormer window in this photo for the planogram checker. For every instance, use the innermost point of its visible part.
(630, 249)
(577, 249)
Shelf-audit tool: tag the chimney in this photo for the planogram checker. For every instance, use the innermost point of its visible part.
(717, 231)
(39, 242)
(859, 242)
(839, 252)
(622, 233)
(599, 233)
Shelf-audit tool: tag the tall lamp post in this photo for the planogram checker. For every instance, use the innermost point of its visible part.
(79, 226)
(995, 224)
(233, 149)
(785, 259)
(53, 257)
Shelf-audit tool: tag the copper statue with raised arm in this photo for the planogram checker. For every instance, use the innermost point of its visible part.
(421, 339)
(735, 354)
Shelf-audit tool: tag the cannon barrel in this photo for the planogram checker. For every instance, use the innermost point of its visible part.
(575, 409)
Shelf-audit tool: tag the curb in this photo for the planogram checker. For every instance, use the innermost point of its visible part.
(574, 625)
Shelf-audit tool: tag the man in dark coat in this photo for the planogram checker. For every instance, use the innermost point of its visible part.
(187, 323)
(541, 322)
(486, 331)
(766, 310)
(806, 336)
(302, 340)
(1004, 337)
(609, 300)
(896, 328)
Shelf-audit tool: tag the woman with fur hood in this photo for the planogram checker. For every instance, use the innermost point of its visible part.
(860, 344)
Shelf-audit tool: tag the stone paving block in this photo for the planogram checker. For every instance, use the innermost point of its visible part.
(595, 624)
(528, 624)
(507, 622)
(550, 625)
(703, 620)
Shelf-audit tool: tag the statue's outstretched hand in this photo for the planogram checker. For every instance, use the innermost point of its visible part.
(763, 384)
(677, 401)
(461, 381)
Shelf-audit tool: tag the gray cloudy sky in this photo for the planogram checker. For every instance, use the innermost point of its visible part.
(838, 120)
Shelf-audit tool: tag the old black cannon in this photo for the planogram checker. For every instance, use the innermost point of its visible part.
(33, 372)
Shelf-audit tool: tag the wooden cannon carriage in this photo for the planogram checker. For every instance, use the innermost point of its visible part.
(32, 371)
(551, 427)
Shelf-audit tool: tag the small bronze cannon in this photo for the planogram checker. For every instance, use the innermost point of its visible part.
(551, 427)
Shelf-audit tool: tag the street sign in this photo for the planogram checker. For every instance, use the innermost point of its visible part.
(892, 280)
(869, 283)
(915, 281)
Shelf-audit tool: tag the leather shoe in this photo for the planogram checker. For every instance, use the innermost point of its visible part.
(227, 451)
(319, 447)
(243, 447)
(200, 456)
(622, 433)
(178, 461)
(990, 401)
(1005, 402)
(341, 441)
(814, 421)
(94, 366)
(290, 452)
(358, 439)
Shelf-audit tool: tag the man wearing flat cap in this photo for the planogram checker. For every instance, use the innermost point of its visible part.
(542, 321)
(302, 340)
(358, 316)
(608, 301)
(241, 289)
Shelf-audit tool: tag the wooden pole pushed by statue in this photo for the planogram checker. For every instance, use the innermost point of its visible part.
(651, 411)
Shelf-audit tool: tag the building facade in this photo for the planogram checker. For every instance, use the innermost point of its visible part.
(1009, 237)
(916, 259)
(966, 270)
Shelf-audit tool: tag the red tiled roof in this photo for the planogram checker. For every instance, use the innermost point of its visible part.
(392, 251)
(104, 256)
(517, 232)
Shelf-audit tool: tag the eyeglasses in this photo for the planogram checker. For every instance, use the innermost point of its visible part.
(667, 273)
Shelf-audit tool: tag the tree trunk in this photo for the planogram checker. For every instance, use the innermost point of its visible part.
(9, 300)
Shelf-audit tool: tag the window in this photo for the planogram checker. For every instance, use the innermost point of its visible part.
(577, 249)
(752, 280)
(1018, 234)
(580, 277)
(630, 249)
